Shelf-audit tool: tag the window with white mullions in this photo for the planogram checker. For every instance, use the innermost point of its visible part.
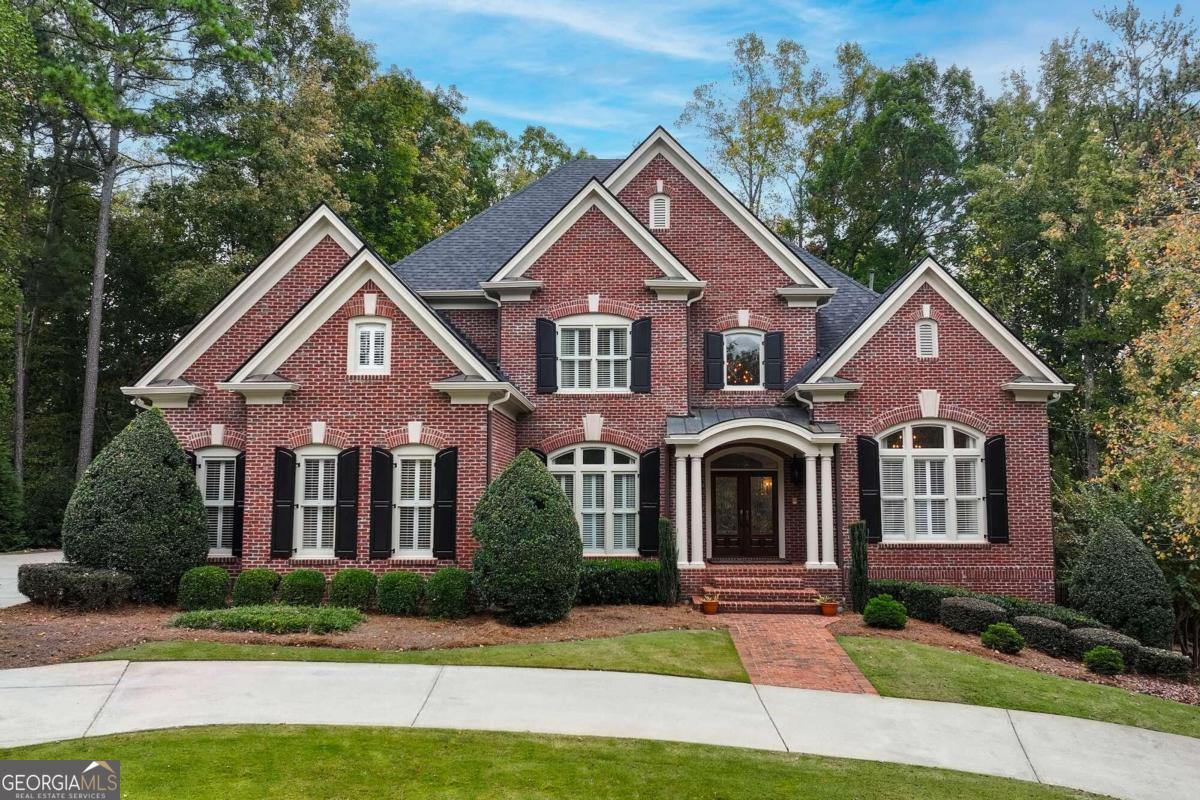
(931, 478)
(216, 472)
(601, 485)
(593, 354)
(413, 519)
(317, 500)
(369, 346)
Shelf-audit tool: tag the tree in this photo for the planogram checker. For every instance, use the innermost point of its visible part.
(512, 164)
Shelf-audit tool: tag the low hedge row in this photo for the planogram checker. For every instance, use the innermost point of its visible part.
(924, 602)
(73, 586)
(272, 619)
(970, 614)
(617, 581)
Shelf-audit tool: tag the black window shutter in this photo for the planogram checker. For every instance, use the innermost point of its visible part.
(648, 504)
(345, 527)
(547, 356)
(283, 509)
(995, 468)
(868, 487)
(714, 361)
(639, 349)
(541, 454)
(382, 477)
(773, 360)
(445, 502)
(239, 501)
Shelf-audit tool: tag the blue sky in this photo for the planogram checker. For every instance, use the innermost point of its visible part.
(603, 74)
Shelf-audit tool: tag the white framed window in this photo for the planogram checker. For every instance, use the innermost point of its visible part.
(931, 483)
(743, 359)
(316, 501)
(601, 483)
(216, 472)
(660, 212)
(369, 346)
(927, 338)
(412, 517)
(593, 353)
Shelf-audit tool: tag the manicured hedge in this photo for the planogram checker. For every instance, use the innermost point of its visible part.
(255, 587)
(448, 593)
(353, 588)
(884, 611)
(1046, 635)
(202, 587)
(1104, 661)
(615, 581)
(1081, 640)
(72, 586)
(924, 600)
(272, 619)
(304, 587)
(400, 593)
(970, 614)
(1156, 661)
(1003, 637)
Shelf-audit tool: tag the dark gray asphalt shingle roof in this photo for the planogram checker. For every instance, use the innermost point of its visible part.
(703, 418)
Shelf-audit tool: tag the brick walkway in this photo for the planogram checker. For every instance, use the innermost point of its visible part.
(794, 650)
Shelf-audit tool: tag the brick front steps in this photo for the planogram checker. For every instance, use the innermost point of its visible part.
(770, 591)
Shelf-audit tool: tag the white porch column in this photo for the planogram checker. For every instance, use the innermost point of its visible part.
(681, 509)
(827, 501)
(810, 511)
(697, 494)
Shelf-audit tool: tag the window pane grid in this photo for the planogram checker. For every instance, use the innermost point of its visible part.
(318, 476)
(601, 486)
(414, 506)
(929, 487)
(593, 358)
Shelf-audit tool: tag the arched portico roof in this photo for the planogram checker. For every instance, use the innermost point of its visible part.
(781, 427)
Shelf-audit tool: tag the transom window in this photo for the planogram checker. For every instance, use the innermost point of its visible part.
(413, 521)
(931, 483)
(368, 350)
(927, 338)
(317, 500)
(601, 485)
(593, 354)
(743, 359)
(216, 469)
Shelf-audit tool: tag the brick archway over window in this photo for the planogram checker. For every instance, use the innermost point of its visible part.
(304, 436)
(233, 438)
(397, 437)
(608, 435)
(732, 320)
(573, 307)
(912, 413)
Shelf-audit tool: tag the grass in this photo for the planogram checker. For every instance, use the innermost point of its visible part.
(907, 669)
(691, 654)
(272, 619)
(297, 763)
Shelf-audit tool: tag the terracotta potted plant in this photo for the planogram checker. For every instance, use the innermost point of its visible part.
(709, 602)
(829, 606)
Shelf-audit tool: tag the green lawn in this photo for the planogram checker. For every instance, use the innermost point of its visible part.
(298, 763)
(692, 654)
(908, 669)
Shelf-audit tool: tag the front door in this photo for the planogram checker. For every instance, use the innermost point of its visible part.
(745, 514)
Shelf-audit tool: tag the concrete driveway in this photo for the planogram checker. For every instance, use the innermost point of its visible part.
(66, 701)
(9, 563)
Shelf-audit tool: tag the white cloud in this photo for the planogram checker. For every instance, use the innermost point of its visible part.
(581, 114)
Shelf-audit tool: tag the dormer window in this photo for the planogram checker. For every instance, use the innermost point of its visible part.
(369, 351)
(660, 212)
(927, 338)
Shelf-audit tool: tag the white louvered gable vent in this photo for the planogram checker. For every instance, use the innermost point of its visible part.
(927, 339)
(660, 212)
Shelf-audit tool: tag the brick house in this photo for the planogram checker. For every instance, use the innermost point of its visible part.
(639, 329)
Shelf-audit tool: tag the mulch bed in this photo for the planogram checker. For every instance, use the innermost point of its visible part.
(939, 636)
(32, 635)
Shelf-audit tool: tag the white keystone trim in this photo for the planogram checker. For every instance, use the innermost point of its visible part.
(321, 223)
(930, 273)
(216, 436)
(593, 195)
(414, 431)
(930, 401)
(662, 143)
(593, 427)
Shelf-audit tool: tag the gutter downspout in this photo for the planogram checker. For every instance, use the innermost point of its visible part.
(490, 408)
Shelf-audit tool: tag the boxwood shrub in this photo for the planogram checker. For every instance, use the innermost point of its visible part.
(924, 601)
(1104, 661)
(73, 586)
(255, 587)
(400, 593)
(353, 588)
(1046, 635)
(272, 619)
(970, 614)
(1003, 637)
(1156, 661)
(202, 587)
(1081, 640)
(615, 581)
(884, 611)
(303, 587)
(897, 590)
(448, 593)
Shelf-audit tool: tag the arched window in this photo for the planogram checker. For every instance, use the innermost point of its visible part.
(216, 472)
(368, 349)
(593, 353)
(931, 482)
(660, 212)
(601, 484)
(743, 359)
(927, 338)
(412, 522)
(316, 500)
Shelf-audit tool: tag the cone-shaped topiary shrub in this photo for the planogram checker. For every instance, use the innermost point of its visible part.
(1117, 581)
(668, 563)
(12, 508)
(138, 510)
(860, 585)
(530, 554)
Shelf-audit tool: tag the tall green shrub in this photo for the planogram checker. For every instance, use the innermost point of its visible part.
(529, 553)
(1117, 581)
(860, 585)
(668, 563)
(138, 510)
(12, 509)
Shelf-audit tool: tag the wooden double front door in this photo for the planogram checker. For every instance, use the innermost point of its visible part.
(745, 514)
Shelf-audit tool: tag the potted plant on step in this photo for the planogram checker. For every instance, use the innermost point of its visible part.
(829, 605)
(708, 603)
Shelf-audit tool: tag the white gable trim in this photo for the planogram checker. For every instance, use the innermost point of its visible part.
(364, 266)
(593, 195)
(320, 223)
(662, 143)
(929, 272)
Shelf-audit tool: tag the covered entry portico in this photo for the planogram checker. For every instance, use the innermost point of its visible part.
(731, 470)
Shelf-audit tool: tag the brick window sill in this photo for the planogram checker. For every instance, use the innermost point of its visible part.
(315, 560)
(223, 558)
(933, 545)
